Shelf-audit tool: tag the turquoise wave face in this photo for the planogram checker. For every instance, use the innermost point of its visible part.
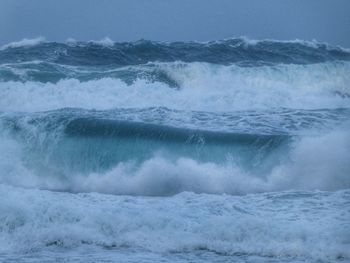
(175, 151)
(78, 144)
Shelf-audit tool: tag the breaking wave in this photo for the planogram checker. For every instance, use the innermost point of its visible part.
(234, 148)
(119, 157)
(193, 86)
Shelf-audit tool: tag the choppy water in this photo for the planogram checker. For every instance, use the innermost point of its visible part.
(233, 150)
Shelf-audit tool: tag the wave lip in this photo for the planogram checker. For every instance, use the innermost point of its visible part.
(283, 121)
(139, 130)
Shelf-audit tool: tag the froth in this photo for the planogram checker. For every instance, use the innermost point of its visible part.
(318, 230)
(201, 86)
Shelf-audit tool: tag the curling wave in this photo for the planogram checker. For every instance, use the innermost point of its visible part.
(121, 157)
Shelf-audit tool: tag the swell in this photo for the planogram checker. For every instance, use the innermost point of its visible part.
(224, 52)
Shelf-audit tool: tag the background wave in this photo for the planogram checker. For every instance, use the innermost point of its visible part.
(134, 53)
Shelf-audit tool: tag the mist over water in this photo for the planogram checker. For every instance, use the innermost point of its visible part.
(250, 136)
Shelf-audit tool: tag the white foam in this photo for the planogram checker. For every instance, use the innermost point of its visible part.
(320, 162)
(201, 87)
(106, 42)
(297, 225)
(71, 41)
(26, 42)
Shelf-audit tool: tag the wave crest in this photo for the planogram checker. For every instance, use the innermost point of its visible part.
(196, 86)
(26, 42)
(238, 50)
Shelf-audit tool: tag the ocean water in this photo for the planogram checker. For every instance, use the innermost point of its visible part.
(226, 151)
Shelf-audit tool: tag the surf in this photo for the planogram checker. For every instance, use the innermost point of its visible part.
(249, 136)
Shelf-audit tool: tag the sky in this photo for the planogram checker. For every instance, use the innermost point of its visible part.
(175, 20)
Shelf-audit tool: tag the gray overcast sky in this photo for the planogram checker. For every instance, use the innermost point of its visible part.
(169, 20)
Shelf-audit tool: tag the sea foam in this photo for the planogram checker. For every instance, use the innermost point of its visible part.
(200, 86)
(274, 225)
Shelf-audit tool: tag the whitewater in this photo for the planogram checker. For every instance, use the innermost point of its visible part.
(231, 150)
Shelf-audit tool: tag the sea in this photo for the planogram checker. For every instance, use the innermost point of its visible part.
(234, 150)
